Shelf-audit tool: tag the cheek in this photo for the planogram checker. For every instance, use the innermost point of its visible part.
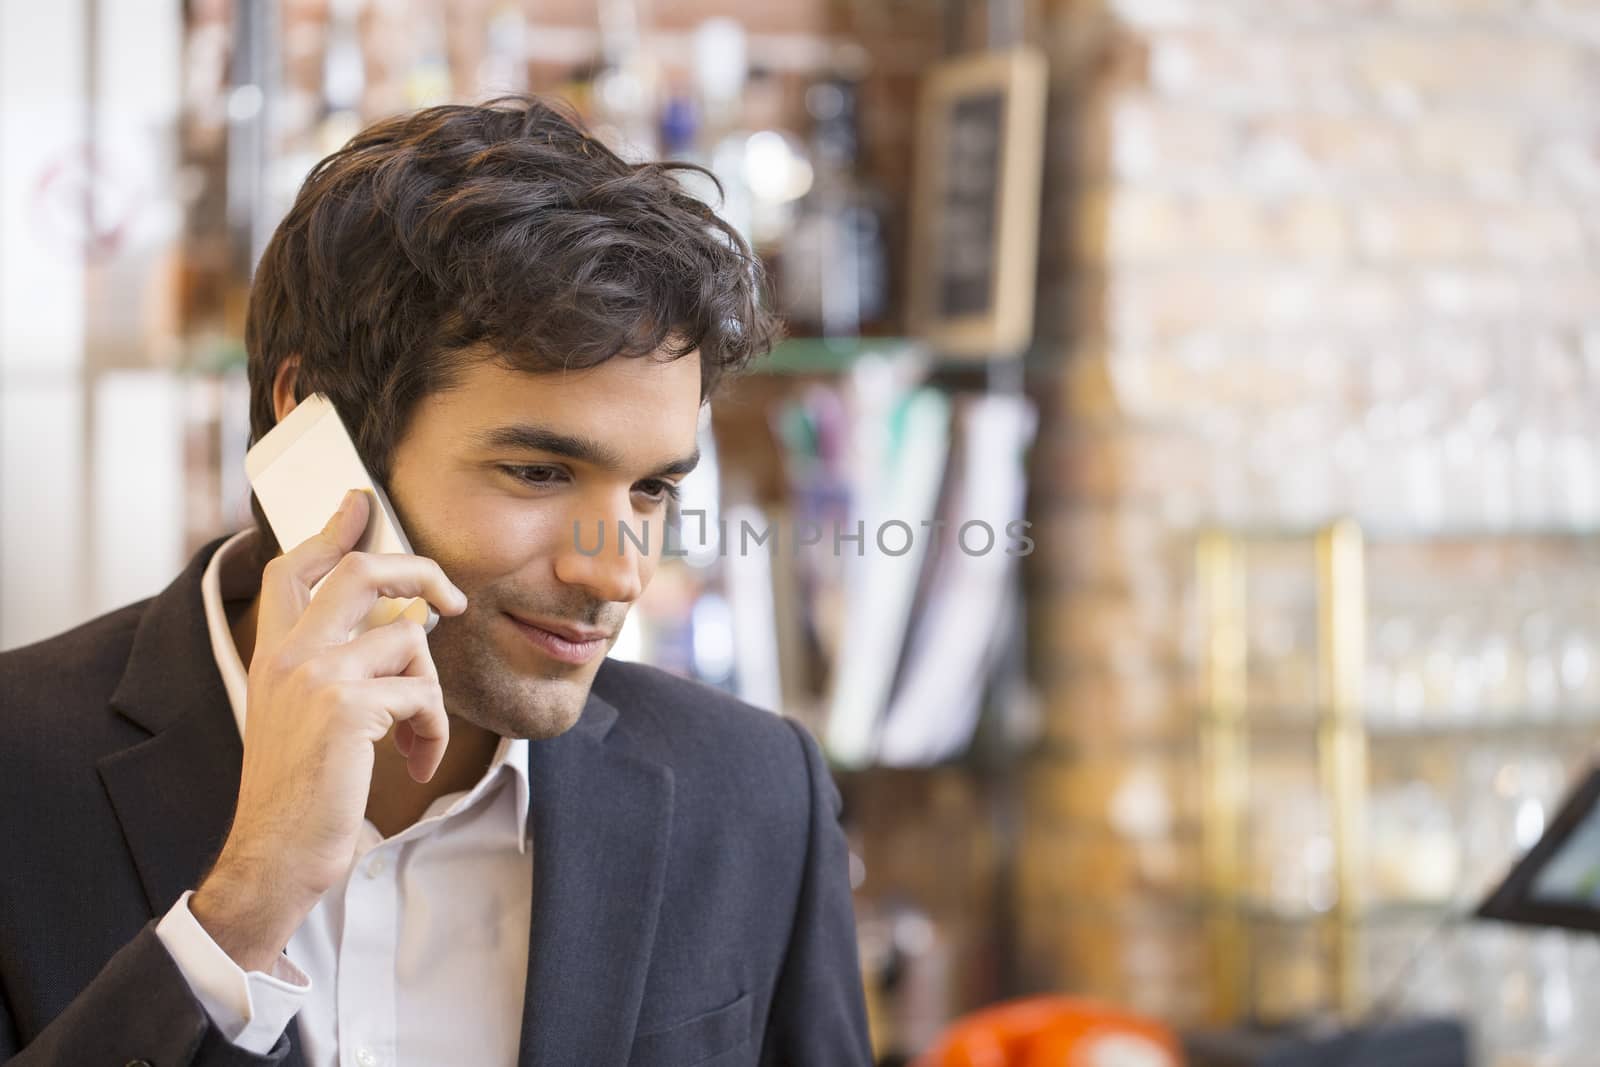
(490, 539)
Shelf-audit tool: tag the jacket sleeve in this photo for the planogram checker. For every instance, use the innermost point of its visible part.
(137, 1009)
(819, 1016)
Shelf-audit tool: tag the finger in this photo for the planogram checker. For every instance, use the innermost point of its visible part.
(403, 738)
(395, 649)
(287, 581)
(417, 704)
(356, 583)
(422, 755)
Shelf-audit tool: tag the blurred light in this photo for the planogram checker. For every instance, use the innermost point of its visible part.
(344, 70)
(824, 101)
(699, 537)
(713, 638)
(774, 170)
(621, 92)
(1318, 861)
(244, 103)
(1529, 823)
(1125, 1050)
(629, 645)
(858, 871)
(913, 933)
(1139, 806)
(720, 61)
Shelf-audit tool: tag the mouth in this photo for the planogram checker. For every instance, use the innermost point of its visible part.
(562, 641)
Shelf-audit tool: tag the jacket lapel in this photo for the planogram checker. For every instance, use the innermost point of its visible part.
(600, 821)
(175, 792)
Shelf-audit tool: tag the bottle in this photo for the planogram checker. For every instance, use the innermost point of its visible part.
(625, 87)
(721, 70)
(834, 266)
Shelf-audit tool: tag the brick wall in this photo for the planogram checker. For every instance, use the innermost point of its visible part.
(1269, 223)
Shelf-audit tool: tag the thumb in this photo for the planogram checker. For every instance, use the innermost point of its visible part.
(285, 592)
(345, 527)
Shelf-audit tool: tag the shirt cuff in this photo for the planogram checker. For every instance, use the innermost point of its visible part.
(250, 1008)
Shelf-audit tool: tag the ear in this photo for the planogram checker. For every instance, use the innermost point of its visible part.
(284, 393)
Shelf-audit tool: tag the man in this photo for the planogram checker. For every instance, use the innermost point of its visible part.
(235, 836)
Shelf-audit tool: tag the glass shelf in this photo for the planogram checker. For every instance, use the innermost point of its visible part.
(1397, 535)
(1319, 766)
(1386, 727)
(1196, 908)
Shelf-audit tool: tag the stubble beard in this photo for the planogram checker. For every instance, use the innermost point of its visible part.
(482, 688)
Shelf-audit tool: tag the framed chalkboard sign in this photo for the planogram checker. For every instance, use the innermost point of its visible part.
(975, 213)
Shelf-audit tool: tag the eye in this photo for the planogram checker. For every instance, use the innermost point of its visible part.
(535, 476)
(659, 490)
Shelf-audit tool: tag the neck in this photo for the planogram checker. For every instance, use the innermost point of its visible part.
(394, 800)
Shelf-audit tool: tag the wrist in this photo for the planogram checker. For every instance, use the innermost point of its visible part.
(246, 919)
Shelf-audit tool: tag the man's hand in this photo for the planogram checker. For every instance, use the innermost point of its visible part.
(318, 701)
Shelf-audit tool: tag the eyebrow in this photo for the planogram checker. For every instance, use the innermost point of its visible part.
(583, 449)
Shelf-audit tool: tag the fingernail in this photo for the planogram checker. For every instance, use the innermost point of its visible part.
(344, 506)
(349, 499)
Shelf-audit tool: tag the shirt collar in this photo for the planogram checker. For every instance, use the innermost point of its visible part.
(228, 577)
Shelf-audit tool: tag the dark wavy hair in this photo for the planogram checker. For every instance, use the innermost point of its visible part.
(502, 232)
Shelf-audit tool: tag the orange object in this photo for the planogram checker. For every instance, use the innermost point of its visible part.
(1053, 1031)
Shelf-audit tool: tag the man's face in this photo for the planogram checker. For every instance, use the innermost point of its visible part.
(490, 480)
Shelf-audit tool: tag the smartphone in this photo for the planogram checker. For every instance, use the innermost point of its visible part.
(300, 471)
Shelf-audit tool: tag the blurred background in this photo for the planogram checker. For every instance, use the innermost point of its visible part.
(1273, 325)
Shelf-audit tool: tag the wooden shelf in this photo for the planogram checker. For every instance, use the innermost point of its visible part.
(825, 355)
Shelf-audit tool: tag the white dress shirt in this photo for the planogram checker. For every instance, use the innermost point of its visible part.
(419, 956)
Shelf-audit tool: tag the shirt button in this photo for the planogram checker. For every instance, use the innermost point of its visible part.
(374, 869)
(367, 1058)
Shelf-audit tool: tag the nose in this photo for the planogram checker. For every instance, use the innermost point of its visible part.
(603, 554)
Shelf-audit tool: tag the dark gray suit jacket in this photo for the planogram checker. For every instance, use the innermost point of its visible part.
(691, 901)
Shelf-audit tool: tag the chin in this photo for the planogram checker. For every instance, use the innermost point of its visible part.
(487, 688)
(535, 709)
(549, 720)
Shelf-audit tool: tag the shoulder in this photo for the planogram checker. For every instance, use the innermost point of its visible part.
(703, 732)
(49, 687)
(72, 658)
